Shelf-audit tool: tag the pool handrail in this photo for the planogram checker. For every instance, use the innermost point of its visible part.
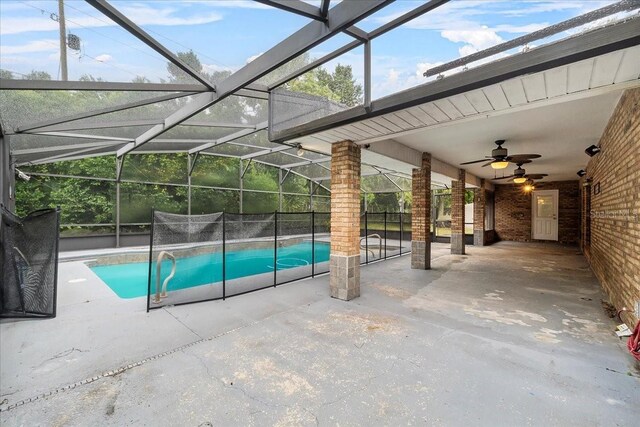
(161, 255)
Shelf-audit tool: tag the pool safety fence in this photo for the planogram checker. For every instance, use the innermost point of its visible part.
(29, 264)
(196, 258)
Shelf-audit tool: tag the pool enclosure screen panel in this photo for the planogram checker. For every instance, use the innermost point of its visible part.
(295, 249)
(28, 264)
(185, 263)
(250, 248)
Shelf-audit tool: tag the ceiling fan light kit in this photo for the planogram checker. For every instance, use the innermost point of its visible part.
(499, 164)
(519, 180)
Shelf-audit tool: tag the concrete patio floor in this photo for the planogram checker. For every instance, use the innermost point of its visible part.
(511, 334)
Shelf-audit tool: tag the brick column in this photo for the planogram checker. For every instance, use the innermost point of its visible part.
(421, 215)
(479, 203)
(344, 264)
(457, 214)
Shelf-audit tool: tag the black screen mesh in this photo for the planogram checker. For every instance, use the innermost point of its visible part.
(29, 264)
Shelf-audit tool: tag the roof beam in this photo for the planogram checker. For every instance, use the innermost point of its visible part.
(112, 13)
(583, 46)
(228, 138)
(95, 113)
(51, 148)
(340, 17)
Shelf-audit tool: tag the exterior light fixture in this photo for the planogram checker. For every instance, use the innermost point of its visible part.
(519, 180)
(592, 150)
(581, 173)
(300, 151)
(528, 188)
(499, 164)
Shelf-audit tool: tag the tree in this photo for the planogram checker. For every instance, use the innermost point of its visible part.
(176, 75)
(344, 86)
(38, 75)
(5, 74)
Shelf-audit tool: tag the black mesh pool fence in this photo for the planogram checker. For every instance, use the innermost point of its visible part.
(195, 258)
(29, 264)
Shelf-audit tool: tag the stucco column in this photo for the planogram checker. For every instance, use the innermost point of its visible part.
(457, 214)
(344, 264)
(421, 215)
(479, 214)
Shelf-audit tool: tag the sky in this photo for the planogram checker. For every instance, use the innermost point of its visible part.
(226, 34)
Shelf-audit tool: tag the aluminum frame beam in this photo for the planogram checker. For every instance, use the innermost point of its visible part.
(340, 17)
(231, 137)
(583, 46)
(296, 6)
(14, 84)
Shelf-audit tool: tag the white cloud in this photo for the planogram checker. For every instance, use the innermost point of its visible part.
(104, 57)
(392, 76)
(45, 45)
(481, 38)
(140, 14)
(145, 15)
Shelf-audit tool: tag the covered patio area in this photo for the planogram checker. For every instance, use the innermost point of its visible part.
(502, 339)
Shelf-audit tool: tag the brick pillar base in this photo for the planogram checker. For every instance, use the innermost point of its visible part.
(421, 215)
(344, 263)
(457, 214)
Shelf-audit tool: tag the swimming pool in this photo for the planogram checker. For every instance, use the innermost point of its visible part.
(130, 280)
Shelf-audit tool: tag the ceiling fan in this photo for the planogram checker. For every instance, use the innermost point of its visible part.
(500, 158)
(520, 175)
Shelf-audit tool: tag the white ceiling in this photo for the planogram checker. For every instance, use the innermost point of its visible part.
(559, 132)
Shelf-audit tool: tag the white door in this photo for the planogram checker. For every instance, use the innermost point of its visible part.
(545, 215)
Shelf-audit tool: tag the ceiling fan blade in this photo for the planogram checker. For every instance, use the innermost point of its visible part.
(536, 175)
(474, 161)
(523, 157)
(505, 177)
(487, 164)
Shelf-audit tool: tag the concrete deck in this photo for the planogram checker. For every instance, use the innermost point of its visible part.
(511, 334)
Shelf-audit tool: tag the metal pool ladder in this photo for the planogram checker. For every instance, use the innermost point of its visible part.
(161, 256)
(373, 254)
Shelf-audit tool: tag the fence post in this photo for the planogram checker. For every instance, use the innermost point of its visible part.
(153, 215)
(55, 271)
(224, 257)
(275, 249)
(401, 230)
(385, 234)
(313, 243)
(366, 238)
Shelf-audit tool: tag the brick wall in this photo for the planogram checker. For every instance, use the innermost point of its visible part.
(345, 198)
(614, 248)
(513, 212)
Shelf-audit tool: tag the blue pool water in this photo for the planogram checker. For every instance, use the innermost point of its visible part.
(131, 280)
